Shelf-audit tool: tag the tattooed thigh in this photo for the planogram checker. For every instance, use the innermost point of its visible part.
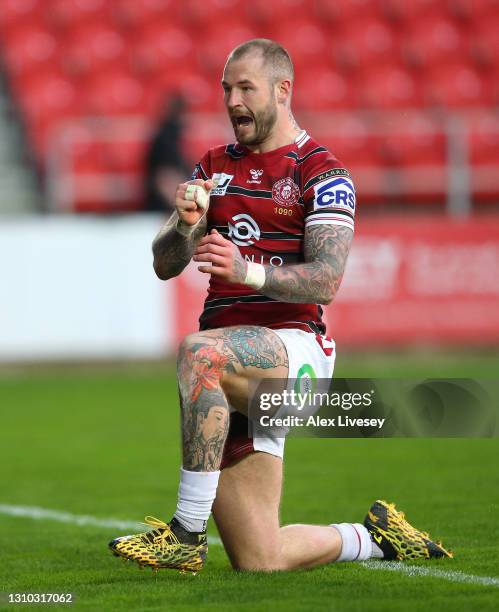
(233, 356)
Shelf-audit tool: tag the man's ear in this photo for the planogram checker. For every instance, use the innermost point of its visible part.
(283, 89)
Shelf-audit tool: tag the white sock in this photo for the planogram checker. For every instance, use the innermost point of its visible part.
(356, 542)
(196, 494)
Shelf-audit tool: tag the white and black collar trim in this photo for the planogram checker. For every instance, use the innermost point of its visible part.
(301, 139)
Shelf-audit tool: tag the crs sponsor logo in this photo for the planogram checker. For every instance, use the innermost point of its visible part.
(244, 230)
(255, 176)
(285, 192)
(221, 181)
(337, 193)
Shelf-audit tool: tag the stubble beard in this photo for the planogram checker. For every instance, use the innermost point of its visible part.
(263, 122)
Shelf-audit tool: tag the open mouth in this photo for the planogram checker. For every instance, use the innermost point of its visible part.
(242, 121)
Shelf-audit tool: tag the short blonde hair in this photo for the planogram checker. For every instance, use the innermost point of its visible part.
(275, 57)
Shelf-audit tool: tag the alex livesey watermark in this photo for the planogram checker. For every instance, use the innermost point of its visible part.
(374, 407)
(302, 402)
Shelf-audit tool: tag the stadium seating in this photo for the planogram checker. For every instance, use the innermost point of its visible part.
(69, 59)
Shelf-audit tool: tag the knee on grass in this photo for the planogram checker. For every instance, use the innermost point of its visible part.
(258, 563)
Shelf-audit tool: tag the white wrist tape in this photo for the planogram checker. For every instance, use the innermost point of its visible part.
(255, 275)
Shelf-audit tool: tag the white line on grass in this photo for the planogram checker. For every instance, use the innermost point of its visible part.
(418, 570)
(44, 514)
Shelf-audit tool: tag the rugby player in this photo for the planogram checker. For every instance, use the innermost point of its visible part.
(274, 238)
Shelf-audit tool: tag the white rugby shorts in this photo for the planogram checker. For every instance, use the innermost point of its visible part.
(310, 356)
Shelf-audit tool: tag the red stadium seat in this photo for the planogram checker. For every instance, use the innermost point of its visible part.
(484, 140)
(92, 47)
(87, 156)
(345, 11)
(484, 10)
(113, 93)
(267, 14)
(322, 90)
(136, 13)
(352, 142)
(19, 12)
(159, 45)
(433, 41)
(415, 141)
(484, 44)
(404, 10)
(46, 98)
(29, 48)
(388, 87)
(218, 42)
(200, 93)
(194, 14)
(126, 156)
(306, 41)
(484, 157)
(65, 14)
(120, 156)
(457, 85)
(364, 43)
(101, 165)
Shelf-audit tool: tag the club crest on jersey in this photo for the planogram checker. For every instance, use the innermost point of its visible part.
(244, 231)
(336, 192)
(285, 192)
(222, 181)
(255, 176)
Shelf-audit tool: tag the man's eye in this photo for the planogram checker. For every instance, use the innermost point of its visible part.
(246, 88)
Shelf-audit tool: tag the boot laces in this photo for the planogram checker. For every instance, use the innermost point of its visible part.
(162, 534)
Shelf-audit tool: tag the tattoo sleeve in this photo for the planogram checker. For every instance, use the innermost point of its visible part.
(319, 278)
(172, 251)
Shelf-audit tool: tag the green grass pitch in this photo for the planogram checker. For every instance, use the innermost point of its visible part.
(106, 443)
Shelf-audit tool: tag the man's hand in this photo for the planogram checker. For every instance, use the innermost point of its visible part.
(190, 212)
(226, 261)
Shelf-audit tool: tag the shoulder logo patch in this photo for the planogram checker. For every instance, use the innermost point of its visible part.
(285, 192)
(221, 181)
(336, 192)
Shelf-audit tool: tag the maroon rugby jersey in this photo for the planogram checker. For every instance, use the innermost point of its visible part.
(263, 202)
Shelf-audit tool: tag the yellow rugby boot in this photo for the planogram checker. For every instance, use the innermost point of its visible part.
(397, 538)
(167, 546)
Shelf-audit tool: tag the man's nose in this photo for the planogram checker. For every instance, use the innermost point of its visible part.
(233, 99)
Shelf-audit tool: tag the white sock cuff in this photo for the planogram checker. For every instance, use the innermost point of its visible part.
(196, 494)
(202, 479)
(198, 486)
(356, 542)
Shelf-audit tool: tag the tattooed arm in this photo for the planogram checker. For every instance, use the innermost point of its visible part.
(172, 251)
(317, 280)
(314, 282)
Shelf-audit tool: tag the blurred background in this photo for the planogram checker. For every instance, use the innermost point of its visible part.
(107, 104)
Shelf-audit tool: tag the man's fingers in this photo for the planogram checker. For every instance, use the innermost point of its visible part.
(186, 205)
(205, 269)
(211, 248)
(214, 239)
(214, 270)
(217, 260)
